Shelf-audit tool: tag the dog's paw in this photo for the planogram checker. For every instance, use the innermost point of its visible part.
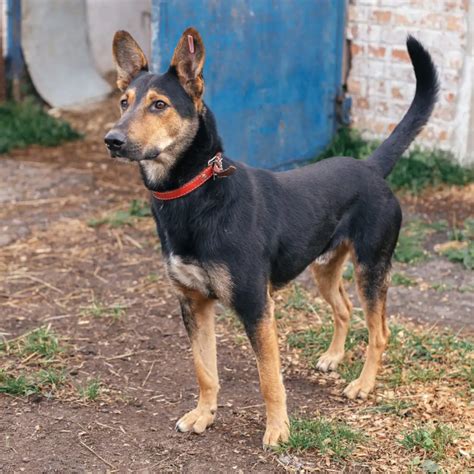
(359, 388)
(196, 420)
(275, 433)
(329, 361)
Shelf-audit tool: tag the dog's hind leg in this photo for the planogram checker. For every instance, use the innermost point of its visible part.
(372, 284)
(198, 316)
(328, 275)
(372, 267)
(260, 325)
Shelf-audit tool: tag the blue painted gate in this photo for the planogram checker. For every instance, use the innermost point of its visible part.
(273, 71)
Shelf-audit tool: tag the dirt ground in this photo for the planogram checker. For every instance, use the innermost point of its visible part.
(56, 269)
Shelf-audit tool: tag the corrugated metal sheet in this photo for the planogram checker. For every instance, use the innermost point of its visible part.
(273, 71)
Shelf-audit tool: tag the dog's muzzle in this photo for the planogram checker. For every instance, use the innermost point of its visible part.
(115, 141)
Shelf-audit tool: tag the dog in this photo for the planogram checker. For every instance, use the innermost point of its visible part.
(234, 233)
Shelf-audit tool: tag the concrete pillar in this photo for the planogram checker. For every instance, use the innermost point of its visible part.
(3, 82)
(470, 55)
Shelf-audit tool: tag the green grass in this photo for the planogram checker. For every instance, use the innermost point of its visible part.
(120, 218)
(399, 279)
(51, 377)
(465, 254)
(99, 310)
(440, 287)
(26, 123)
(432, 441)
(418, 170)
(313, 342)
(348, 272)
(44, 381)
(392, 407)
(34, 364)
(349, 371)
(91, 391)
(348, 142)
(424, 374)
(411, 240)
(411, 357)
(41, 341)
(17, 386)
(298, 301)
(429, 346)
(426, 357)
(328, 437)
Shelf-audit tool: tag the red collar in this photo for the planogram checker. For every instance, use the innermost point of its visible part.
(214, 168)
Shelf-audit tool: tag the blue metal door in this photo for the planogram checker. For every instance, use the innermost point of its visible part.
(273, 71)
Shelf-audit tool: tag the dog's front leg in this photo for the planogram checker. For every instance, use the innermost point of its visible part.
(262, 333)
(198, 316)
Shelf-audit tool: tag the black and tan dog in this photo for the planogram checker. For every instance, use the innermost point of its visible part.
(239, 239)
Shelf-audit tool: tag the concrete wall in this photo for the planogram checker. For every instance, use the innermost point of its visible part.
(105, 17)
(381, 80)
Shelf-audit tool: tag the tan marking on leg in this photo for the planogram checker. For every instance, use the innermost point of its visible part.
(379, 333)
(271, 383)
(328, 276)
(203, 342)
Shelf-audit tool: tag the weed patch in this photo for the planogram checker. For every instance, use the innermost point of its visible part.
(90, 391)
(43, 381)
(424, 357)
(137, 209)
(34, 364)
(41, 342)
(325, 436)
(411, 240)
(98, 310)
(431, 441)
(414, 172)
(399, 279)
(461, 247)
(26, 123)
(313, 342)
(17, 386)
(393, 407)
(412, 356)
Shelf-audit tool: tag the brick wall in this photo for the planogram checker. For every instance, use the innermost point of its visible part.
(381, 80)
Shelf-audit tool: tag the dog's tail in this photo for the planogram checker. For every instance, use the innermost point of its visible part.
(385, 157)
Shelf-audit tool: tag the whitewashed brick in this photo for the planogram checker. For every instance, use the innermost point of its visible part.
(382, 79)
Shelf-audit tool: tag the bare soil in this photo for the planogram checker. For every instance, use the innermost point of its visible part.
(55, 267)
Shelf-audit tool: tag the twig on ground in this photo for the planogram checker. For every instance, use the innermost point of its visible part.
(148, 374)
(97, 455)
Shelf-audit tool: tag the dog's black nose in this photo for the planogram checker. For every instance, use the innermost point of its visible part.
(114, 140)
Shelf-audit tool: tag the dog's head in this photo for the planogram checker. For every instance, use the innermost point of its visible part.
(159, 113)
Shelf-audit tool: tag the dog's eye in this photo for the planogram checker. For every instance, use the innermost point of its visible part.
(123, 104)
(159, 105)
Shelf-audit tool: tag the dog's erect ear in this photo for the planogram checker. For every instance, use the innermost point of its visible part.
(188, 61)
(129, 58)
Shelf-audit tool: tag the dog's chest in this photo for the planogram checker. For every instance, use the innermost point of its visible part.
(190, 275)
(211, 279)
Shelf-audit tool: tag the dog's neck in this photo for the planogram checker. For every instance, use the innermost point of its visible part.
(176, 167)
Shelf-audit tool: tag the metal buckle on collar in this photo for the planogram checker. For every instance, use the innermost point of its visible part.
(216, 163)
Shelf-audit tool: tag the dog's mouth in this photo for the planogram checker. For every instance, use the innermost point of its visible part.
(121, 148)
(126, 158)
